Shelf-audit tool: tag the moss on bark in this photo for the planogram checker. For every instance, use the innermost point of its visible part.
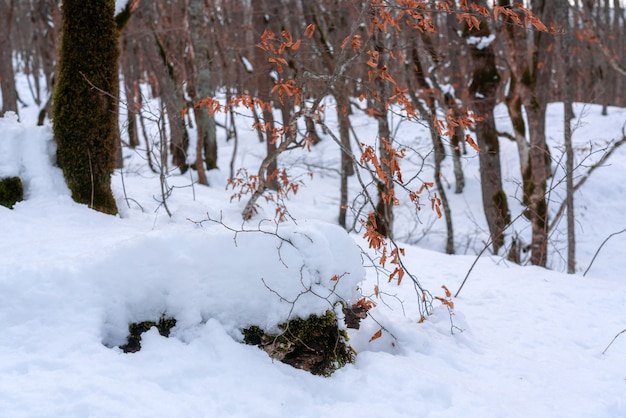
(315, 344)
(164, 326)
(11, 191)
(85, 101)
(501, 203)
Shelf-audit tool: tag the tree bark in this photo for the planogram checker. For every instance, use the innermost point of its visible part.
(347, 168)
(568, 116)
(85, 101)
(483, 89)
(384, 207)
(7, 77)
(532, 70)
(203, 86)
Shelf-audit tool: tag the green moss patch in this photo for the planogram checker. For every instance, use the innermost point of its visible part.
(315, 344)
(164, 326)
(11, 191)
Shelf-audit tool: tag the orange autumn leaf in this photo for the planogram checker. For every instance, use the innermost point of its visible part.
(481, 9)
(446, 302)
(287, 35)
(400, 276)
(377, 335)
(448, 294)
(438, 210)
(470, 141)
(383, 257)
(344, 43)
(309, 31)
(365, 304)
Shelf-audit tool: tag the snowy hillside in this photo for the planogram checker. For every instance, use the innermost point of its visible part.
(520, 342)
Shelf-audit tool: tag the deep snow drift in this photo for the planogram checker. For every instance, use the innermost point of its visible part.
(522, 341)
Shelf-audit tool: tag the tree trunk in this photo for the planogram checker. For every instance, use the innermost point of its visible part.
(384, 207)
(429, 112)
(7, 77)
(457, 142)
(568, 116)
(270, 144)
(483, 89)
(171, 97)
(494, 198)
(49, 22)
(347, 167)
(532, 71)
(514, 107)
(538, 205)
(85, 101)
(457, 74)
(207, 135)
(130, 71)
(266, 17)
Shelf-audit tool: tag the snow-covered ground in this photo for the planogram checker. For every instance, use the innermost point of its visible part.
(521, 341)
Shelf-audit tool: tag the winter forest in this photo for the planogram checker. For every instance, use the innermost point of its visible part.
(305, 208)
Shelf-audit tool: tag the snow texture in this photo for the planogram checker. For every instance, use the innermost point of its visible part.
(71, 280)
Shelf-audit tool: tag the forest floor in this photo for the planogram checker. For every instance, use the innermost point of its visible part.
(520, 341)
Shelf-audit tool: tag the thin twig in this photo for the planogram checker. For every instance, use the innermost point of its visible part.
(486, 246)
(613, 340)
(600, 247)
(91, 177)
(124, 186)
(608, 150)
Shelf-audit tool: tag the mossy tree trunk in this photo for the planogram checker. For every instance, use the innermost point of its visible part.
(483, 90)
(85, 101)
(531, 70)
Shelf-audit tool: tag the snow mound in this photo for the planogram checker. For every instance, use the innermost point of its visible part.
(28, 152)
(256, 278)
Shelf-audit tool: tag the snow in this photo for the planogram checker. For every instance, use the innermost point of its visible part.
(247, 64)
(481, 42)
(521, 341)
(120, 5)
